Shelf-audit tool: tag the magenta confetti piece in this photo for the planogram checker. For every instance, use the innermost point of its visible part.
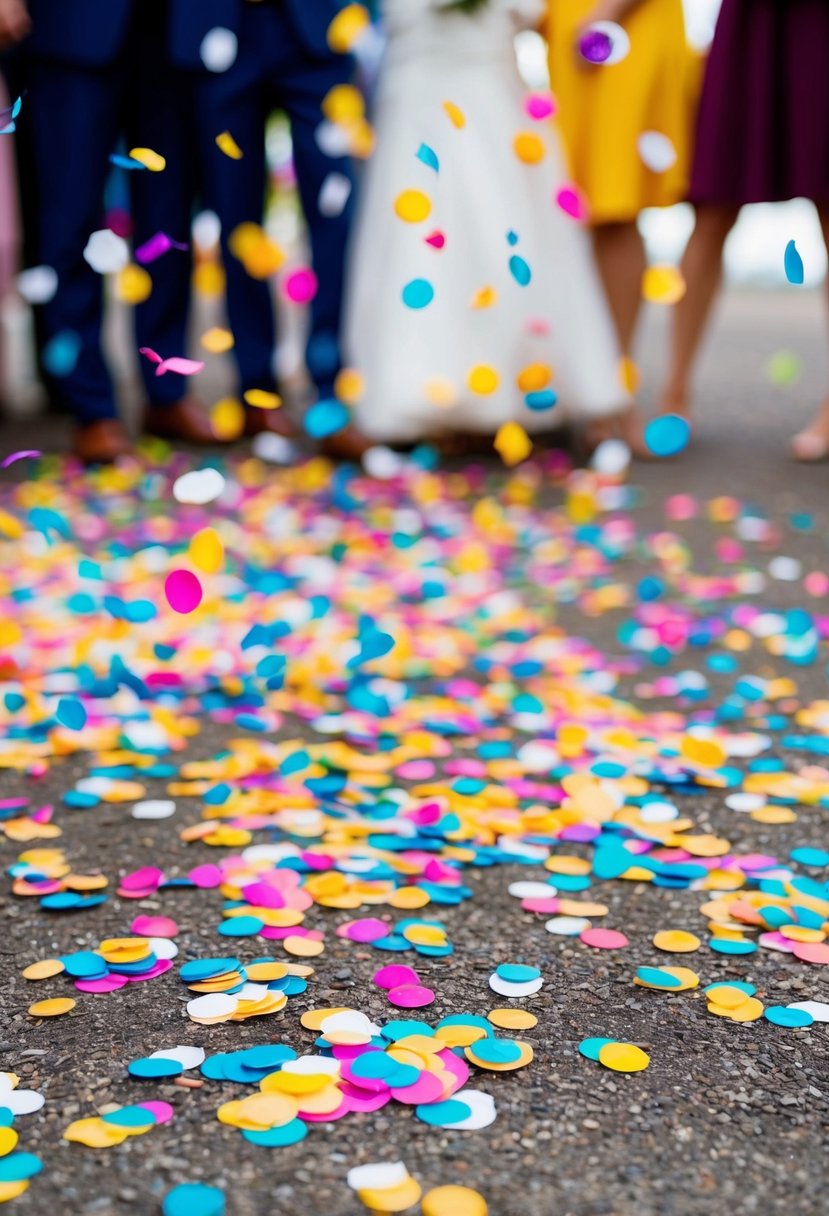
(162, 1112)
(394, 975)
(411, 996)
(183, 591)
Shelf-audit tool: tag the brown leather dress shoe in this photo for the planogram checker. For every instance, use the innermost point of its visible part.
(276, 422)
(186, 420)
(348, 444)
(101, 442)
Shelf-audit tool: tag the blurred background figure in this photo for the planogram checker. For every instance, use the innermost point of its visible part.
(762, 136)
(278, 56)
(626, 126)
(468, 284)
(97, 70)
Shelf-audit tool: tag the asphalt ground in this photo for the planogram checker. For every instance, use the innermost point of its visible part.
(727, 1117)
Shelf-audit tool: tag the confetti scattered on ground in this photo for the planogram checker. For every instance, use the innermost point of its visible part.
(372, 713)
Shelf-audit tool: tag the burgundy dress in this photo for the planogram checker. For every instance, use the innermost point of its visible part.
(763, 123)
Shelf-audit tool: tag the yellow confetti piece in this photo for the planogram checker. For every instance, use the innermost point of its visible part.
(227, 144)
(623, 1057)
(483, 380)
(209, 279)
(349, 386)
(512, 443)
(8, 1139)
(524, 1058)
(13, 1190)
(529, 147)
(227, 417)
(534, 377)
(676, 941)
(393, 1198)
(52, 1008)
(344, 104)
(455, 114)
(512, 1019)
(453, 1201)
(705, 752)
(663, 285)
(303, 947)
(133, 284)
(440, 392)
(347, 27)
(261, 399)
(151, 160)
(260, 256)
(412, 206)
(484, 298)
(217, 340)
(629, 375)
(206, 552)
(95, 1133)
(43, 970)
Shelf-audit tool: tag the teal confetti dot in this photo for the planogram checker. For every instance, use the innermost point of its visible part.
(278, 1137)
(590, 1048)
(781, 1015)
(667, 435)
(326, 417)
(418, 294)
(542, 399)
(520, 270)
(70, 713)
(154, 1067)
(793, 264)
(194, 1199)
(428, 157)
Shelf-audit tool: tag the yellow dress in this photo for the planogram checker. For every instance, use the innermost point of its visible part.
(604, 109)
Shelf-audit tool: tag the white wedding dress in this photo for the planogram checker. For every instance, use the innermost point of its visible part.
(416, 362)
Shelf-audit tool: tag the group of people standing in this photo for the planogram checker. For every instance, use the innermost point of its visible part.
(496, 265)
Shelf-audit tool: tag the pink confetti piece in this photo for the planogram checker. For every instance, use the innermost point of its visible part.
(300, 286)
(603, 939)
(176, 363)
(394, 975)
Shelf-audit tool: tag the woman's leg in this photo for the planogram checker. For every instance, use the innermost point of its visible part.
(620, 255)
(702, 270)
(812, 443)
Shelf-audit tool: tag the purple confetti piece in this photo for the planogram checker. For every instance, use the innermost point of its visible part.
(156, 247)
(24, 454)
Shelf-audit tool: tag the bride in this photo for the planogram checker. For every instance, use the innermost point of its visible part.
(473, 300)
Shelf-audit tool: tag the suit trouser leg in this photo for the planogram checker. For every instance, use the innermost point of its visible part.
(302, 89)
(74, 114)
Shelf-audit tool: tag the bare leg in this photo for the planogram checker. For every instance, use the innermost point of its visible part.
(620, 255)
(812, 443)
(702, 271)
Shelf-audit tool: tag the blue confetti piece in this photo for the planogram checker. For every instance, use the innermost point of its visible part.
(125, 162)
(540, 400)
(512, 238)
(60, 354)
(428, 157)
(781, 1015)
(277, 1137)
(667, 435)
(155, 1067)
(418, 294)
(793, 264)
(70, 713)
(19, 1166)
(326, 417)
(590, 1048)
(520, 270)
(194, 1199)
